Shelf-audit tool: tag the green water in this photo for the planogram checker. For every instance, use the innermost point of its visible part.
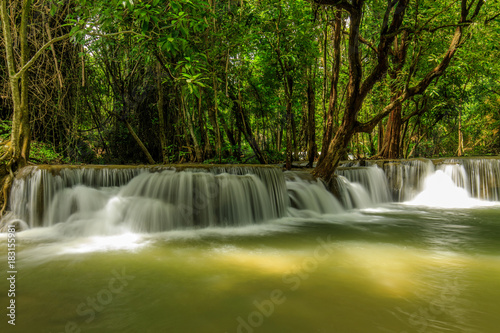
(396, 269)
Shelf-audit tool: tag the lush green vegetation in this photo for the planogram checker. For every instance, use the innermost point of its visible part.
(242, 81)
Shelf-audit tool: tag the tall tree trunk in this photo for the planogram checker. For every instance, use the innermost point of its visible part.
(189, 120)
(311, 121)
(212, 116)
(244, 127)
(25, 137)
(332, 100)
(18, 152)
(392, 138)
(460, 150)
(288, 131)
(390, 147)
(380, 137)
(202, 126)
(161, 114)
(337, 147)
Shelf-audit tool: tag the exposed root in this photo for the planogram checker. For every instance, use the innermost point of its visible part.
(6, 150)
(7, 184)
(7, 174)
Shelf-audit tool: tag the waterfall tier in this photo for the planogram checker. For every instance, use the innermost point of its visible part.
(149, 199)
(479, 177)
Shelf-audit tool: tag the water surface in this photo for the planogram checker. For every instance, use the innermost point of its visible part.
(395, 268)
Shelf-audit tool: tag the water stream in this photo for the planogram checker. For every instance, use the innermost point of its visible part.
(408, 247)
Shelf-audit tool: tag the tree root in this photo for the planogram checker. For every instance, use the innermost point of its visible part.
(8, 174)
(8, 152)
(7, 184)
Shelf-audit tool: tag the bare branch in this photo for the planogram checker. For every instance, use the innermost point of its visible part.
(368, 126)
(364, 41)
(37, 55)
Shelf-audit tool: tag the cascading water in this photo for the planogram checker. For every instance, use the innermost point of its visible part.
(109, 200)
(372, 179)
(34, 190)
(457, 173)
(483, 176)
(406, 177)
(310, 194)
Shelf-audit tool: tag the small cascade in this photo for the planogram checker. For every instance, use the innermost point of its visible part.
(483, 176)
(307, 193)
(34, 189)
(442, 191)
(406, 177)
(479, 177)
(457, 174)
(352, 195)
(372, 179)
(274, 182)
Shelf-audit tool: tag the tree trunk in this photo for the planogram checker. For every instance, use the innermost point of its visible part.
(390, 147)
(311, 121)
(212, 115)
(189, 120)
(332, 101)
(380, 137)
(243, 125)
(139, 142)
(337, 147)
(288, 96)
(460, 150)
(202, 126)
(161, 114)
(337, 150)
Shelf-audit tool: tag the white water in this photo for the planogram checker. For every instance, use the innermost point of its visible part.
(311, 196)
(372, 179)
(440, 191)
(93, 202)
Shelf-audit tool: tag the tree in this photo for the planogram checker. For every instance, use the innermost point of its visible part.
(16, 151)
(391, 25)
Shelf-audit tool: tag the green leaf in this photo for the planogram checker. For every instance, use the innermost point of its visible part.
(53, 10)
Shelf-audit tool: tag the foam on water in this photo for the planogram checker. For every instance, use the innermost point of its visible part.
(440, 191)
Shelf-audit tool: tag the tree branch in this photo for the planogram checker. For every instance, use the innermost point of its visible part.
(368, 126)
(488, 20)
(37, 55)
(337, 3)
(364, 41)
(387, 35)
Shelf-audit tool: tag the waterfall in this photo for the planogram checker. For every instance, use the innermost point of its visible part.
(34, 189)
(371, 178)
(107, 200)
(406, 177)
(148, 199)
(457, 174)
(307, 193)
(352, 195)
(481, 176)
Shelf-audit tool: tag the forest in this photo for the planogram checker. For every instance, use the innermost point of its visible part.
(247, 81)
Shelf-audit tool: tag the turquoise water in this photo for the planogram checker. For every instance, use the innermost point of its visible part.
(396, 268)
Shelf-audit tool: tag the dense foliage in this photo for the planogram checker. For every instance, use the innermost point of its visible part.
(249, 81)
